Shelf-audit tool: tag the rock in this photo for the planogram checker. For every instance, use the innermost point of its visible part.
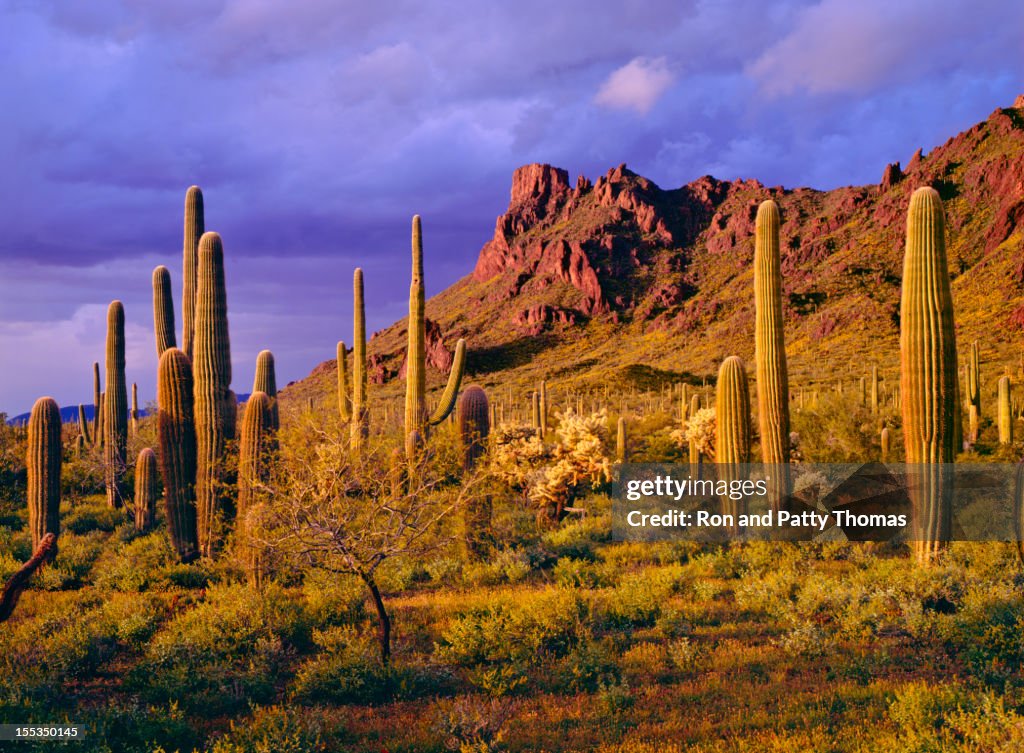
(891, 176)
(915, 161)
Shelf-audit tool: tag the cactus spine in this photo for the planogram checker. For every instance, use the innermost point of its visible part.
(195, 226)
(1005, 411)
(474, 428)
(770, 344)
(344, 408)
(42, 463)
(266, 382)
(163, 310)
(146, 490)
(212, 375)
(115, 407)
(732, 412)
(253, 447)
(928, 371)
(176, 435)
(360, 424)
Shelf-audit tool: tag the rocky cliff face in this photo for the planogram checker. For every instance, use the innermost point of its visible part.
(572, 260)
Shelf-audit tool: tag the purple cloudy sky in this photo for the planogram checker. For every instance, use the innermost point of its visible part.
(316, 130)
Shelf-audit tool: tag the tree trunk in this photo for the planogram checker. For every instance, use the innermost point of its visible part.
(382, 618)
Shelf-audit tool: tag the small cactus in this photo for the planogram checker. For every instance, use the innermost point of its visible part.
(163, 310)
(543, 408)
(176, 434)
(115, 408)
(254, 444)
(874, 390)
(886, 443)
(474, 428)
(146, 490)
(266, 382)
(96, 413)
(83, 426)
(1005, 412)
(621, 448)
(135, 409)
(344, 407)
(42, 463)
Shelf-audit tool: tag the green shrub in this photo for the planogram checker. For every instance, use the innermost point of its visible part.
(346, 669)
(637, 600)
(274, 729)
(333, 599)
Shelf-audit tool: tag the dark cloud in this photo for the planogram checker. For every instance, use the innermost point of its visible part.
(317, 129)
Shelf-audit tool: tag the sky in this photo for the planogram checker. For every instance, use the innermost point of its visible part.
(317, 129)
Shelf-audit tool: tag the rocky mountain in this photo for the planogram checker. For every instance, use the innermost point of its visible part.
(622, 280)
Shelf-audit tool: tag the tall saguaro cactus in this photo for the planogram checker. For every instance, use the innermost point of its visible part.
(42, 463)
(416, 418)
(195, 226)
(770, 343)
(97, 391)
(163, 310)
(266, 382)
(176, 434)
(360, 416)
(115, 407)
(212, 374)
(928, 372)
(146, 489)
(135, 409)
(621, 440)
(83, 426)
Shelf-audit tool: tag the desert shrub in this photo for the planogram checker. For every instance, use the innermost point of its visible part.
(228, 651)
(75, 559)
(687, 656)
(274, 729)
(589, 665)
(524, 630)
(582, 573)
(346, 669)
(637, 600)
(989, 633)
(951, 718)
(505, 566)
(333, 599)
(138, 565)
(578, 538)
(399, 574)
(91, 515)
(470, 724)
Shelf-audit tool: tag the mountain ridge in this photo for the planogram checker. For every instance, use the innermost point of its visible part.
(666, 274)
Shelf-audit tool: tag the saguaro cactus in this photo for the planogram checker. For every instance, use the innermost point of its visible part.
(42, 463)
(886, 443)
(1005, 414)
(212, 373)
(195, 226)
(928, 372)
(100, 432)
(176, 433)
(732, 411)
(621, 448)
(147, 489)
(83, 426)
(416, 418)
(115, 407)
(974, 390)
(543, 407)
(360, 415)
(474, 427)
(163, 310)
(135, 409)
(874, 389)
(769, 343)
(344, 407)
(266, 382)
(253, 446)
(96, 413)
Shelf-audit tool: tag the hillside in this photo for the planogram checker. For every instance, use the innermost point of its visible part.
(621, 281)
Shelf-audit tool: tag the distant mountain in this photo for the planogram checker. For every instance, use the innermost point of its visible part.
(69, 413)
(625, 282)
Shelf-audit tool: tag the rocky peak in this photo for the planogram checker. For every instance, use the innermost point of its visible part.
(891, 176)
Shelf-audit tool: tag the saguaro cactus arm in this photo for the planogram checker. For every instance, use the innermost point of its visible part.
(451, 390)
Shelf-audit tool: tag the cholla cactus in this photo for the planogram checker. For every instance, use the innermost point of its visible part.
(515, 454)
(581, 461)
(700, 432)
